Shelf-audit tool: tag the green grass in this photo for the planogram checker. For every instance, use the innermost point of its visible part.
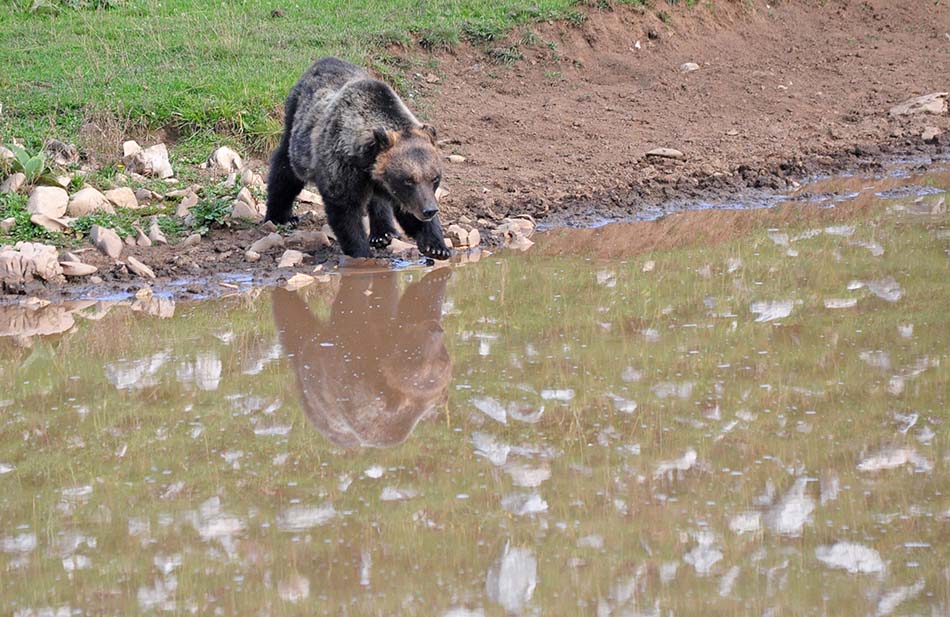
(220, 68)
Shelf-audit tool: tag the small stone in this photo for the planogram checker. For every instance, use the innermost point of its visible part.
(184, 207)
(935, 103)
(307, 241)
(50, 201)
(60, 153)
(252, 256)
(152, 161)
(57, 225)
(6, 154)
(474, 238)
(398, 246)
(251, 179)
(144, 293)
(458, 235)
(13, 183)
(290, 258)
(649, 266)
(688, 67)
(140, 238)
(328, 232)
(268, 227)
(665, 153)
(309, 197)
(155, 233)
(298, 281)
(95, 280)
(930, 134)
(456, 158)
(129, 240)
(268, 242)
(130, 147)
(464, 220)
(192, 240)
(139, 268)
(7, 225)
(77, 268)
(245, 195)
(440, 193)
(243, 210)
(122, 197)
(225, 159)
(88, 200)
(143, 194)
(106, 240)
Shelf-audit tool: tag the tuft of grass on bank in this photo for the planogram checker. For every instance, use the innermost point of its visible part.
(222, 68)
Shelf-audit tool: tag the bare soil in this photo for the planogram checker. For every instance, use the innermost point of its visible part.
(783, 92)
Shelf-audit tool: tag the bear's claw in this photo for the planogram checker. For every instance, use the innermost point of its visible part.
(435, 252)
(381, 241)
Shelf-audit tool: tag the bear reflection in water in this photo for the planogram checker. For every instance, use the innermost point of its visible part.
(378, 365)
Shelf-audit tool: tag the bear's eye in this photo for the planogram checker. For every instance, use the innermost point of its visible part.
(409, 181)
(437, 181)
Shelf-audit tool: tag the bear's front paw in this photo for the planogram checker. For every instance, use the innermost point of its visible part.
(381, 241)
(435, 251)
(289, 221)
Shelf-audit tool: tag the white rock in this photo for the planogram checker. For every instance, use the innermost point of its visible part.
(397, 246)
(290, 258)
(226, 159)
(245, 195)
(130, 147)
(512, 578)
(139, 268)
(309, 197)
(474, 238)
(298, 281)
(13, 183)
(456, 158)
(106, 240)
(192, 240)
(665, 153)
(88, 200)
(122, 197)
(140, 238)
(76, 268)
(189, 201)
(689, 67)
(251, 179)
(252, 256)
(155, 233)
(7, 224)
(58, 225)
(268, 242)
(935, 103)
(50, 201)
(328, 232)
(855, 558)
(307, 241)
(790, 514)
(243, 210)
(152, 161)
(930, 133)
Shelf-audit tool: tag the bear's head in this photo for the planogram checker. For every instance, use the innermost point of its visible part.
(409, 168)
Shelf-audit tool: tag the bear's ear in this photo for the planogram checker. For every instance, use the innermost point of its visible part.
(384, 140)
(429, 130)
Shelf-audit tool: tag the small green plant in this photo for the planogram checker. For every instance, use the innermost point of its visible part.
(33, 167)
(209, 213)
(575, 17)
(530, 38)
(481, 32)
(439, 37)
(121, 222)
(505, 55)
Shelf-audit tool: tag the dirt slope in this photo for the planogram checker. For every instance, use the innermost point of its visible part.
(785, 89)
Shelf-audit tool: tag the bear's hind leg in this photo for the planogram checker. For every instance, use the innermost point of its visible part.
(427, 234)
(381, 227)
(283, 186)
(346, 221)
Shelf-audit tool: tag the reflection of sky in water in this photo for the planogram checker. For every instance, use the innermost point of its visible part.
(746, 428)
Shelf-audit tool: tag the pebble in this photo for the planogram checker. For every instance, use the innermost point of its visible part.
(252, 256)
(251, 179)
(139, 268)
(307, 241)
(665, 153)
(13, 183)
(7, 224)
(106, 240)
(689, 67)
(88, 200)
(930, 134)
(456, 158)
(268, 242)
(152, 161)
(245, 195)
(77, 268)
(189, 201)
(243, 210)
(309, 197)
(50, 201)
(122, 197)
(155, 233)
(192, 240)
(935, 103)
(398, 246)
(225, 159)
(290, 258)
(298, 281)
(140, 238)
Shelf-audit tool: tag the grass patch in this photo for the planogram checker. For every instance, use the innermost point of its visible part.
(13, 205)
(223, 68)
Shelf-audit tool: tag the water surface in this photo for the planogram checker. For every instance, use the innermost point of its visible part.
(739, 412)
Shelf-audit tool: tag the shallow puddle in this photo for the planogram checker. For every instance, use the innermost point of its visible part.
(727, 412)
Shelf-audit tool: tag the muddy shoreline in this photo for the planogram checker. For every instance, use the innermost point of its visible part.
(217, 266)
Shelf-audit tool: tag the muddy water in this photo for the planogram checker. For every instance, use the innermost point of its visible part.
(746, 414)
